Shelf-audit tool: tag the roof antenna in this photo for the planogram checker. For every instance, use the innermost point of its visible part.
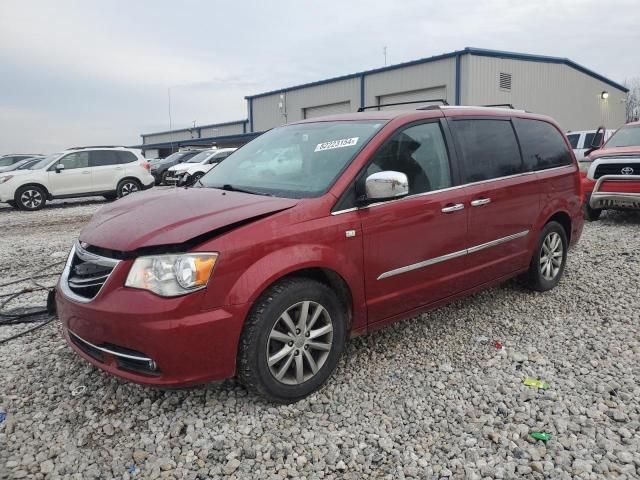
(384, 52)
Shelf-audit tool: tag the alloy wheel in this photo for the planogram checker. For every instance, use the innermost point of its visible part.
(299, 343)
(128, 188)
(551, 256)
(31, 198)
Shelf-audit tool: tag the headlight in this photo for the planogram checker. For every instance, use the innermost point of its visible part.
(172, 275)
(6, 178)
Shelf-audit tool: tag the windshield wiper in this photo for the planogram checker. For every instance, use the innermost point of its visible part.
(230, 188)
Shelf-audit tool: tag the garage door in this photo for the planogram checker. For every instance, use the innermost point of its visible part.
(413, 96)
(330, 109)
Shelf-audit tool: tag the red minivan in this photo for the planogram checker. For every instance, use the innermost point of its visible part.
(314, 232)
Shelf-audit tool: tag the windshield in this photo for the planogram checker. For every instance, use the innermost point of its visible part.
(27, 163)
(44, 162)
(294, 161)
(625, 137)
(201, 157)
(173, 156)
(6, 161)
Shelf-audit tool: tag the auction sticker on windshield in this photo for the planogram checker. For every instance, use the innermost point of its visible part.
(345, 142)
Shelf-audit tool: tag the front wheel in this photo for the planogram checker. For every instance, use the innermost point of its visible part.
(195, 177)
(127, 187)
(549, 259)
(292, 340)
(30, 197)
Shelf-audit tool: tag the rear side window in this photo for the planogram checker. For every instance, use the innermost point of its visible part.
(542, 145)
(489, 149)
(126, 157)
(573, 139)
(102, 158)
(590, 138)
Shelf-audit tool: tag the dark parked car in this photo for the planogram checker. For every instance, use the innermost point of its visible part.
(314, 232)
(159, 168)
(8, 161)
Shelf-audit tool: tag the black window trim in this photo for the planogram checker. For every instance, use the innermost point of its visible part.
(454, 171)
(52, 167)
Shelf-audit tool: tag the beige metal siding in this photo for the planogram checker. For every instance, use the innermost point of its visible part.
(412, 96)
(221, 131)
(557, 90)
(267, 112)
(170, 136)
(440, 74)
(331, 109)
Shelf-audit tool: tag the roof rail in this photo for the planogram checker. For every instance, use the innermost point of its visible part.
(441, 100)
(506, 105)
(97, 146)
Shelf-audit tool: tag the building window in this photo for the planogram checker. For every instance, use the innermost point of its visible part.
(505, 81)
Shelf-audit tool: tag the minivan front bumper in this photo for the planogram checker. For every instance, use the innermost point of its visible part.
(616, 192)
(147, 339)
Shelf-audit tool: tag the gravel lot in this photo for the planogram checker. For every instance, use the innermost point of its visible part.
(431, 397)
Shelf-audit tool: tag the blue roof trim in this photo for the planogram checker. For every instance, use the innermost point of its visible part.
(467, 51)
(481, 52)
(358, 74)
(224, 124)
(195, 141)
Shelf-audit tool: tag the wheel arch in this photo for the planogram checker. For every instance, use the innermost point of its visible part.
(128, 177)
(564, 219)
(33, 184)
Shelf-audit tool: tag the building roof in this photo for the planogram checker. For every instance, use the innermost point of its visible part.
(466, 51)
(188, 129)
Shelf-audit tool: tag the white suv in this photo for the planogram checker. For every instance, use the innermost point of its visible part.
(194, 168)
(111, 172)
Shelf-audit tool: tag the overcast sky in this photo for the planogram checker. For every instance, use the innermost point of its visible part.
(79, 73)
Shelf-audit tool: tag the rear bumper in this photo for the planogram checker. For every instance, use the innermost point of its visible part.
(616, 192)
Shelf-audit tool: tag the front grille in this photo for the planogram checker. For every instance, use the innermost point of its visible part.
(88, 273)
(616, 169)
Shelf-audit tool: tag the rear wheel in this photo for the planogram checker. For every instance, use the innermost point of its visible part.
(127, 187)
(30, 197)
(549, 259)
(163, 178)
(292, 340)
(591, 214)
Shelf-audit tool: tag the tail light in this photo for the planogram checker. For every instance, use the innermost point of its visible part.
(146, 165)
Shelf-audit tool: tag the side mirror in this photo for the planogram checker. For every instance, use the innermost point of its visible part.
(386, 185)
(59, 167)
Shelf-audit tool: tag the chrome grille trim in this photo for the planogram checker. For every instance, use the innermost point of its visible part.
(85, 256)
(109, 351)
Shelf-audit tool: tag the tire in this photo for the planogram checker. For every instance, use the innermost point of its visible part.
(110, 197)
(195, 177)
(265, 333)
(30, 198)
(545, 274)
(163, 177)
(127, 186)
(591, 214)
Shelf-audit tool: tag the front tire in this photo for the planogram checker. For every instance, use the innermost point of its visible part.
(127, 187)
(549, 259)
(591, 214)
(30, 198)
(292, 340)
(195, 177)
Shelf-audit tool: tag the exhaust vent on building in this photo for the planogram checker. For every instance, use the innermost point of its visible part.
(505, 81)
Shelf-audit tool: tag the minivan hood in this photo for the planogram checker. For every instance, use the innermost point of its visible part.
(174, 216)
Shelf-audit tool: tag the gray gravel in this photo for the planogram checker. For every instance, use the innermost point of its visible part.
(431, 397)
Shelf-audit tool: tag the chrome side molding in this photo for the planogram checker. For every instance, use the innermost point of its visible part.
(451, 256)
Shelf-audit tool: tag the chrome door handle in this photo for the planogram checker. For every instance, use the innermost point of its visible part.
(453, 208)
(479, 202)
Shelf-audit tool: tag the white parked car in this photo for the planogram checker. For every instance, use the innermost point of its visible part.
(110, 172)
(583, 139)
(194, 168)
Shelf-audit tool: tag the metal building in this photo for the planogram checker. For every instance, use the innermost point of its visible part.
(578, 98)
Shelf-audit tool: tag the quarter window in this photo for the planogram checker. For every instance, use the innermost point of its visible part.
(74, 160)
(420, 153)
(125, 157)
(102, 158)
(489, 149)
(542, 145)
